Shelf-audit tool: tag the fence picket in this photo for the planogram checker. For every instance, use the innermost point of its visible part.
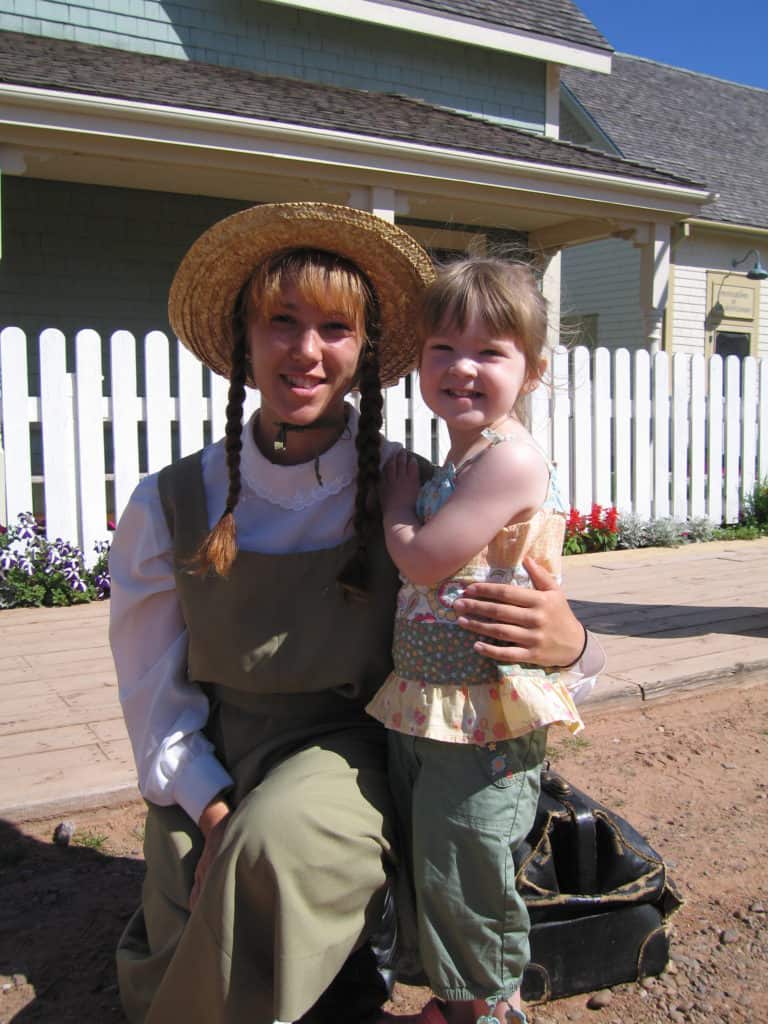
(125, 417)
(748, 428)
(561, 415)
(89, 427)
(715, 440)
(581, 451)
(732, 437)
(660, 420)
(395, 412)
(762, 428)
(538, 417)
(622, 430)
(160, 405)
(681, 373)
(421, 424)
(698, 419)
(191, 410)
(56, 409)
(601, 426)
(15, 423)
(641, 435)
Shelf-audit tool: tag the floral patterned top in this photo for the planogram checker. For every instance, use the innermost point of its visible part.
(440, 687)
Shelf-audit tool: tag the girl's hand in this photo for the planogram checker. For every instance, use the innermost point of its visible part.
(537, 624)
(213, 823)
(400, 483)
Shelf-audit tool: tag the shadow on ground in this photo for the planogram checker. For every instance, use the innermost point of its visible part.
(667, 621)
(61, 913)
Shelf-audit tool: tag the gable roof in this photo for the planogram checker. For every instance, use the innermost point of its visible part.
(61, 66)
(559, 18)
(686, 123)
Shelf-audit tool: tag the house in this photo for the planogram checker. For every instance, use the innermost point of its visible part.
(128, 126)
(695, 126)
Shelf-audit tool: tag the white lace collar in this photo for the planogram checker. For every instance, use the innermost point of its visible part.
(297, 487)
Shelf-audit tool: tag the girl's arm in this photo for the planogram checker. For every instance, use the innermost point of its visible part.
(506, 483)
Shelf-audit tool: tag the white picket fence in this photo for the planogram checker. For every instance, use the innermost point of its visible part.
(684, 437)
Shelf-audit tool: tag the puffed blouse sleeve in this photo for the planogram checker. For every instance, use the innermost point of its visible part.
(580, 678)
(164, 712)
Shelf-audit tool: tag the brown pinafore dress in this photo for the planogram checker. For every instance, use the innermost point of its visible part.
(288, 664)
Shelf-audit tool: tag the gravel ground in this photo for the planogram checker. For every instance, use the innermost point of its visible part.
(688, 773)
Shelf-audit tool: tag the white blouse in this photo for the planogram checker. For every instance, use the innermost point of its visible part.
(281, 509)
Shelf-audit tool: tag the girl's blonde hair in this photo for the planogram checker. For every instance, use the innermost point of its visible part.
(336, 286)
(503, 294)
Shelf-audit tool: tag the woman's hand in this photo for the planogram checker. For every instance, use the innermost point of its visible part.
(213, 823)
(535, 625)
(400, 485)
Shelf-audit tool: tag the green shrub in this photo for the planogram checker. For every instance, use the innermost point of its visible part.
(755, 512)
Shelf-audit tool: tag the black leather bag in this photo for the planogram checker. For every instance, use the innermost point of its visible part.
(597, 894)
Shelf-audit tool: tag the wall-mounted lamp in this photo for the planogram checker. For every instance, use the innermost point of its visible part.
(755, 273)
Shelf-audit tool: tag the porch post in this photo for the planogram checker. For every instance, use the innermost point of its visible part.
(381, 201)
(550, 288)
(654, 284)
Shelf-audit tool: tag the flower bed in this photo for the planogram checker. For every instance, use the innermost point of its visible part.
(35, 571)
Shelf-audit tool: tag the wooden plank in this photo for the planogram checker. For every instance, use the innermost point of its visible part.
(622, 430)
(561, 433)
(681, 368)
(160, 405)
(14, 391)
(421, 425)
(396, 412)
(715, 440)
(641, 435)
(92, 496)
(125, 417)
(732, 437)
(660, 433)
(698, 420)
(762, 430)
(748, 445)
(56, 402)
(42, 741)
(602, 409)
(190, 402)
(581, 449)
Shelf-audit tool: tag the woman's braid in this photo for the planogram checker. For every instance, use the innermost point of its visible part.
(354, 577)
(219, 549)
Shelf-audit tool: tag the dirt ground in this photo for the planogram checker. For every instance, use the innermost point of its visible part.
(690, 773)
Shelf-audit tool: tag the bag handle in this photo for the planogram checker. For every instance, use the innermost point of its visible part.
(585, 845)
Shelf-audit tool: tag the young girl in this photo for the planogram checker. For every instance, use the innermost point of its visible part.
(468, 735)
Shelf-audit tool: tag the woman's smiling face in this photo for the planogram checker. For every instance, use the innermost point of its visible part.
(303, 359)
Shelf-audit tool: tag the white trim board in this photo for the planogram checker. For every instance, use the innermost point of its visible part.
(58, 115)
(462, 30)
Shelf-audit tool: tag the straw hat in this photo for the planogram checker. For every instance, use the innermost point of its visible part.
(211, 275)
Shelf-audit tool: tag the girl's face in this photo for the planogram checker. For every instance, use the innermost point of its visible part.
(470, 378)
(303, 360)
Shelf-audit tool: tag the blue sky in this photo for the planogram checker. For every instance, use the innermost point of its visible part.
(726, 40)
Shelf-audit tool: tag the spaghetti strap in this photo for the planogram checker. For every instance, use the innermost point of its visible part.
(554, 498)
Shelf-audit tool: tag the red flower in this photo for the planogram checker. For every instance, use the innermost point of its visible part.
(595, 516)
(611, 519)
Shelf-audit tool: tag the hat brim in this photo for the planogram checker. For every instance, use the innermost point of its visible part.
(215, 269)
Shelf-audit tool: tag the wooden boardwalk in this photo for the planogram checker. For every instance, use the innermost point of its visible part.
(669, 619)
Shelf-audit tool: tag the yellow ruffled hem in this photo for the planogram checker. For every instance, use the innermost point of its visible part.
(479, 714)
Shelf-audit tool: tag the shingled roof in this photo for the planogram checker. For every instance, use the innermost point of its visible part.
(686, 123)
(59, 65)
(559, 18)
